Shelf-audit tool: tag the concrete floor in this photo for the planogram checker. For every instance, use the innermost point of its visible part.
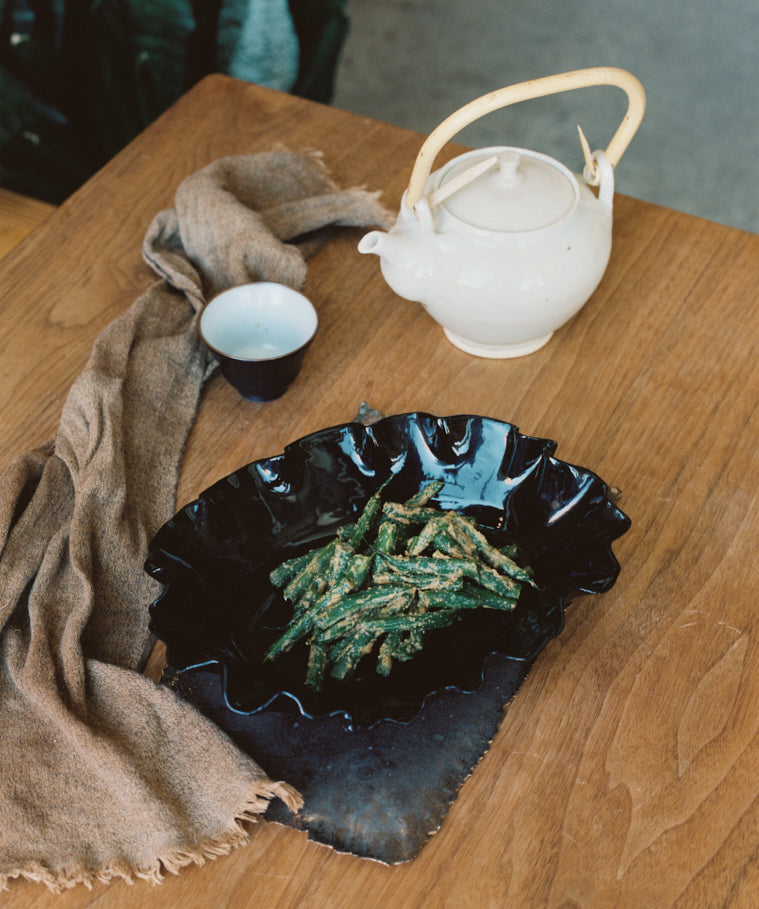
(413, 62)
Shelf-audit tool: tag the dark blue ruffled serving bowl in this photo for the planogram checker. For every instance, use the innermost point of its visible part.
(214, 557)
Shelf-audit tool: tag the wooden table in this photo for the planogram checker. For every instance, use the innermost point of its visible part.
(19, 215)
(625, 771)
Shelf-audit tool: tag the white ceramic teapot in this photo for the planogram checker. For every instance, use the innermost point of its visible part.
(503, 245)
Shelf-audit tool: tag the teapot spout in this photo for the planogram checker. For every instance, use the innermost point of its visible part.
(373, 242)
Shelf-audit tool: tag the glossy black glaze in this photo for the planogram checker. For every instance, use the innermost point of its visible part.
(262, 380)
(378, 792)
(215, 555)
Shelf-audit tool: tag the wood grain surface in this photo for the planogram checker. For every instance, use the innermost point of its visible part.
(19, 215)
(625, 771)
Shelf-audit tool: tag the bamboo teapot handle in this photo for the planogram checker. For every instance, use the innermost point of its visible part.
(523, 91)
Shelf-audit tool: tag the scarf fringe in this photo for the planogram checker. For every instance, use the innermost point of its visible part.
(317, 157)
(373, 197)
(173, 862)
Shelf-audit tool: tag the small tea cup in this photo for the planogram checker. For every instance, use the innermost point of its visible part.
(259, 333)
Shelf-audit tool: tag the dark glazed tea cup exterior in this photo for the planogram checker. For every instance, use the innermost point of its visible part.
(262, 380)
(259, 334)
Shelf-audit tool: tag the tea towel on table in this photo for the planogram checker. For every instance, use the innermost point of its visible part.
(105, 773)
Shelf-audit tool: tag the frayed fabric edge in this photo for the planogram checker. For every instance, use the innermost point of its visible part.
(174, 861)
(317, 157)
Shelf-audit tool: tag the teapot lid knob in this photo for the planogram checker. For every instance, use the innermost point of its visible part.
(508, 168)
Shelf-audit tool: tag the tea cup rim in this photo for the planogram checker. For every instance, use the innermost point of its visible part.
(259, 284)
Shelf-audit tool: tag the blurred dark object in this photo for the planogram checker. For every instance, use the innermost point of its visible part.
(79, 80)
(321, 27)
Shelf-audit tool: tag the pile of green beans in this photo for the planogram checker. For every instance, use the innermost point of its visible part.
(399, 571)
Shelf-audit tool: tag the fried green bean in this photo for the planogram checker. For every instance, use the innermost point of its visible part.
(398, 646)
(492, 556)
(420, 581)
(413, 621)
(358, 569)
(353, 534)
(402, 513)
(425, 494)
(285, 572)
(315, 589)
(465, 599)
(293, 633)
(354, 604)
(493, 580)
(317, 665)
(346, 660)
(313, 568)
(426, 537)
(341, 557)
(399, 571)
(448, 546)
(401, 600)
(425, 565)
(385, 654)
(411, 643)
(388, 536)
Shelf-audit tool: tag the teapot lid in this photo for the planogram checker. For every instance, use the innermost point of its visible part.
(513, 190)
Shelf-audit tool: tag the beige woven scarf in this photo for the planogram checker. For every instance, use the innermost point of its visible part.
(105, 773)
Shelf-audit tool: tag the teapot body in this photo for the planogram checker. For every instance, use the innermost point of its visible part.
(497, 291)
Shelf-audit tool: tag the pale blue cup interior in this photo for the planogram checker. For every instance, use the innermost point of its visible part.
(259, 334)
